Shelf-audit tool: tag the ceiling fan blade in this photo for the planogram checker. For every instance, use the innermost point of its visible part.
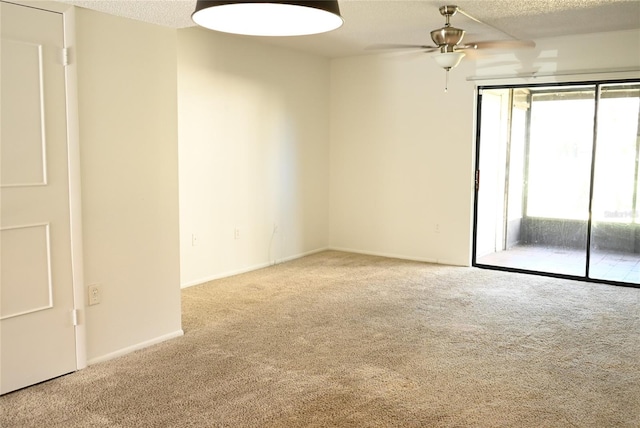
(505, 44)
(469, 16)
(399, 46)
(484, 23)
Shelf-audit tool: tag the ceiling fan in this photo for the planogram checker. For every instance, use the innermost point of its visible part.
(448, 41)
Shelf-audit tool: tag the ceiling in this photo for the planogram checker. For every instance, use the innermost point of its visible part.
(371, 22)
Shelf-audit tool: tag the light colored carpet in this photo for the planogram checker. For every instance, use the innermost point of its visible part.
(345, 340)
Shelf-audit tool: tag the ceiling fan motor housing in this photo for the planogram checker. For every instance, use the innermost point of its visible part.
(447, 38)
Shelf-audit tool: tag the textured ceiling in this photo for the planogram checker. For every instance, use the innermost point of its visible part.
(370, 22)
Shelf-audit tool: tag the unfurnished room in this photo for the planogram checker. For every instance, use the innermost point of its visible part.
(340, 213)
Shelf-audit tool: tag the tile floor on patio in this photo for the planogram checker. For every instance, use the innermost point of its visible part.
(604, 265)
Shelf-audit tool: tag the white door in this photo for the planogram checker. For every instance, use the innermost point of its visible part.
(37, 327)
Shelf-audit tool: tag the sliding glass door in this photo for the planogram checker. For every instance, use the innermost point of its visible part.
(615, 232)
(557, 180)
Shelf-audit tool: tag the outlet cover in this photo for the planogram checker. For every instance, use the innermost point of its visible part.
(95, 294)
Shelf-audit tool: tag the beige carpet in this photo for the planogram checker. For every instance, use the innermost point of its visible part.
(345, 340)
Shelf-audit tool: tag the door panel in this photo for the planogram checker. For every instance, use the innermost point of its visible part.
(25, 291)
(23, 164)
(37, 332)
(615, 233)
(545, 185)
(559, 166)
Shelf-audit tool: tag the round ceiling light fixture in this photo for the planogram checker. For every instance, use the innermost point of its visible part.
(268, 17)
(448, 60)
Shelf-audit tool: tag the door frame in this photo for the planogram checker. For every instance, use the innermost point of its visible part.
(605, 80)
(73, 160)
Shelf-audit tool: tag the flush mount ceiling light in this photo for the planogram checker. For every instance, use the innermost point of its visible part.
(268, 17)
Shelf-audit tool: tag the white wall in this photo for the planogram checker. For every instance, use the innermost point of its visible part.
(128, 144)
(402, 151)
(254, 152)
(401, 158)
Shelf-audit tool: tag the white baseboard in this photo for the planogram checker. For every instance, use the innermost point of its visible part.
(399, 256)
(308, 253)
(136, 347)
(249, 268)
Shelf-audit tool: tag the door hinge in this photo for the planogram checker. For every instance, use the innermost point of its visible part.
(74, 317)
(477, 179)
(65, 56)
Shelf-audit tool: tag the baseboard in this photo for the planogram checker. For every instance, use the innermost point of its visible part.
(136, 347)
(399, 256)
(228, 274)
(299, 256)
(251, 268)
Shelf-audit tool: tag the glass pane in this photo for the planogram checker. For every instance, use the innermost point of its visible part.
(542, 218)
(561, 140)
(615, 249)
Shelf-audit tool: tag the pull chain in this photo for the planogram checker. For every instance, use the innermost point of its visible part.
(446, 80)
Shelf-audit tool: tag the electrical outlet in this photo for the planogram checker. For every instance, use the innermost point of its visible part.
(437, 228)
(95, 294)
(194, 240)
(236, 233)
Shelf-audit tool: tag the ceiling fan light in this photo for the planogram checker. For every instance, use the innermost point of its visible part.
(448, 60)
(268, 17)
